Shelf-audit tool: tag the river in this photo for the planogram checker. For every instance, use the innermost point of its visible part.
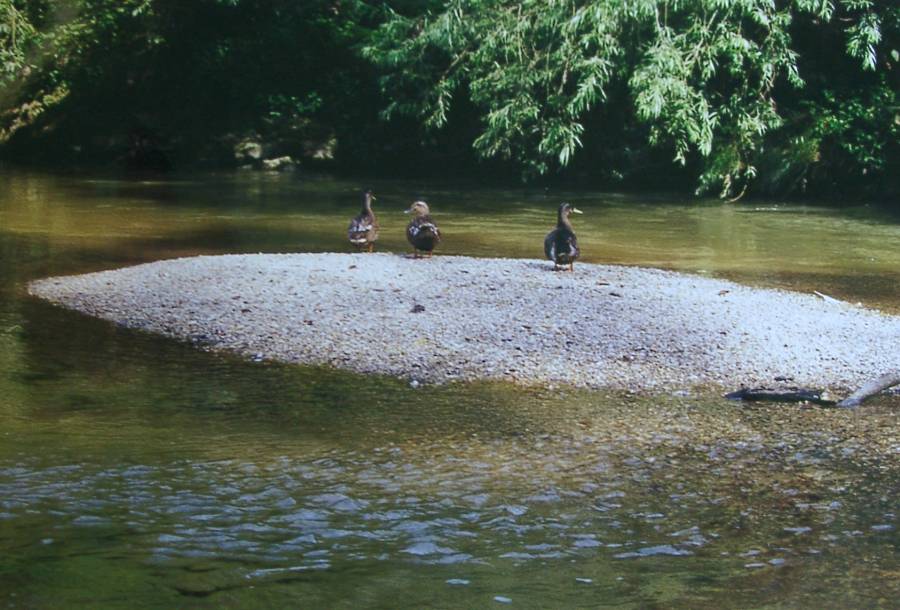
(137, 472)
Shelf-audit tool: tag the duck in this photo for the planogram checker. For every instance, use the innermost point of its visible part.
(561, 245)
(421, 231)
(363, 229)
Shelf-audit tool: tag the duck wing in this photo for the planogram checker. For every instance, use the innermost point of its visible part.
(550, 245)
(363, 227)
(572, 243)
(561, 246)
(423, 232)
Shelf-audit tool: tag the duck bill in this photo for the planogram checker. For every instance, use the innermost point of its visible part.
(409, 211)
(577, 211)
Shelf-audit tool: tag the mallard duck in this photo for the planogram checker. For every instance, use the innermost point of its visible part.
(363, 229)
(561, 245)
(421, 231)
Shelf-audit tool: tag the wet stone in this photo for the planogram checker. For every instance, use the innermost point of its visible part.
(426, 548)
(651, 551)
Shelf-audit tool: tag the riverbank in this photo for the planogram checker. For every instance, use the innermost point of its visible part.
(460, 318)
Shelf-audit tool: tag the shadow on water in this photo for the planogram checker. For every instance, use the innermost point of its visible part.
(94, 368)
(138, 472)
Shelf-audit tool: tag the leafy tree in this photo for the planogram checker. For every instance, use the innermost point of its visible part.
(781, 95)
(185, 76)
(17, 36)
(708, 78)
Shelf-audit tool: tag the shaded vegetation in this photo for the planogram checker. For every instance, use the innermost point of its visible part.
(721, 96)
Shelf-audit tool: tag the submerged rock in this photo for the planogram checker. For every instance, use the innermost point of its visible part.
(650, 551)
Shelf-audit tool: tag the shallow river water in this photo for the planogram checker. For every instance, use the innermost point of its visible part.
(136, 472)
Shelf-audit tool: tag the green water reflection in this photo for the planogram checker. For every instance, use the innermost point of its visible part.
(136, 472)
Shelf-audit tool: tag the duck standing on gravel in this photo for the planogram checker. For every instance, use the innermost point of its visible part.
(363, 229)
(561, 245)
(421, 231)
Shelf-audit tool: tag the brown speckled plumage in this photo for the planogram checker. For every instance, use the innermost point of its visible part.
(561, 245)
(421, 232)
(363, 229)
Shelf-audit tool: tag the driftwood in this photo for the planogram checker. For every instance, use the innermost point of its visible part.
(827, 298)
(820, 397)
(888, 380)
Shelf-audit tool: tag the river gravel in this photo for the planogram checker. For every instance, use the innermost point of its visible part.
(459, 318)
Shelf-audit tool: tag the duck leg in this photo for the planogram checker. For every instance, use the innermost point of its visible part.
(371, 247)
(571, 266)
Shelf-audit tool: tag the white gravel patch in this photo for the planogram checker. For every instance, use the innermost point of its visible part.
(460, 318)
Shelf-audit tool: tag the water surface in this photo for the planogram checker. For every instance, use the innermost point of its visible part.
(136, 472)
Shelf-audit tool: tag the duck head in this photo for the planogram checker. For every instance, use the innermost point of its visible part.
(418, 208)
(566, 210)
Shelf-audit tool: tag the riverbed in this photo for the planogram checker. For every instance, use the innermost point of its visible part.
(139, 472)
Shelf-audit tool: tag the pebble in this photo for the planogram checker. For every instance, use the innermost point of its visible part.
(663, 331)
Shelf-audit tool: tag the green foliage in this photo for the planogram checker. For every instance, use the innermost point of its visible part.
(186, 75)
(773, 95)
(17, 37)
(531, 68)
(708, 78)
(838, 142)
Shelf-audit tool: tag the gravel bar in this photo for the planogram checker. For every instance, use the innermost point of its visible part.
(460, 318)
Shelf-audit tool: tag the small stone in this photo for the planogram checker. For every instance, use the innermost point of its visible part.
(500, 333)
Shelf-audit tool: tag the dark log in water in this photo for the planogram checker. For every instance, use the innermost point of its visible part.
(888, 380)
(782, 395)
